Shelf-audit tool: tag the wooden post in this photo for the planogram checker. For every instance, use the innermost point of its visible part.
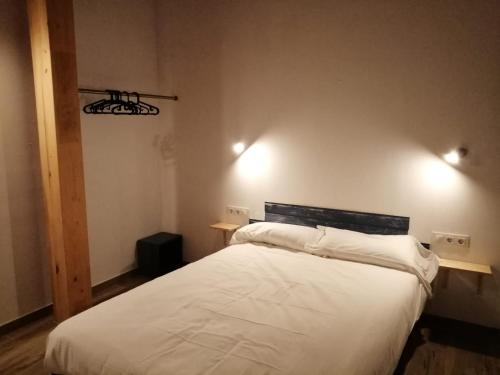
(57, 105)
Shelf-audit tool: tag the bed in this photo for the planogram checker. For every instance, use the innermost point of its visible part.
(254, 308)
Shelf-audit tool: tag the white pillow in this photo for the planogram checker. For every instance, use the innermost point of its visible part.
(400, 252)
(285, 235)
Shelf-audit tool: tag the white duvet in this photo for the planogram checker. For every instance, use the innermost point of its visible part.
(248, 309)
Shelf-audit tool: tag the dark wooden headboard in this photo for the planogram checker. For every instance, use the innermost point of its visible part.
(358, 221)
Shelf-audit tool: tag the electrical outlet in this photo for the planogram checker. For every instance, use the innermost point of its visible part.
(237, 215)
(440, 239)
(237, 211)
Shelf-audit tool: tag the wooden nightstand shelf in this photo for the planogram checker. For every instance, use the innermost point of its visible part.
(225, 228)
(479, 269)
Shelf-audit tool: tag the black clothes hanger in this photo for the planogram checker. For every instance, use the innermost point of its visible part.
(142, 106)
(119, 103)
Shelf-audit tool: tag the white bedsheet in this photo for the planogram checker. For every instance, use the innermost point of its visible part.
(249, 310)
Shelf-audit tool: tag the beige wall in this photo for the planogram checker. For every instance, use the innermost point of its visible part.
(116, 49)
(347, 104)
(24, 284)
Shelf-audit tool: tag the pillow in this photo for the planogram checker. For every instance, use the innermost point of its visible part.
(286, 235)
(399, 252)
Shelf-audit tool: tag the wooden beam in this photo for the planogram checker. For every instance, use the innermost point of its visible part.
(57, 106)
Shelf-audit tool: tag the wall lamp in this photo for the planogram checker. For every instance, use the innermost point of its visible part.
(238, 148)
(454, 156)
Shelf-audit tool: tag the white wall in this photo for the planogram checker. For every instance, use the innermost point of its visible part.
(116, 49)
(347, 104)
(24, 284)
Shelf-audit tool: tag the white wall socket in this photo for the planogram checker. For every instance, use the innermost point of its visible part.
(440, 239)
(237, 215)
(237, 211)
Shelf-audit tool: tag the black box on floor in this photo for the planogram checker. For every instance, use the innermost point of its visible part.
(159, 254)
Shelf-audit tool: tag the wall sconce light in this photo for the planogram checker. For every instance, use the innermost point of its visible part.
(454, 156)
(238, 148)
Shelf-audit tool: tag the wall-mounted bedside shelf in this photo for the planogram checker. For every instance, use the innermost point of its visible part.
(479, 269)
(225, 228)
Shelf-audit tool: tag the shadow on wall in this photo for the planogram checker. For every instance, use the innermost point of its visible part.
(166, 144)
(198, 134)
(22, 169)
(460, 300)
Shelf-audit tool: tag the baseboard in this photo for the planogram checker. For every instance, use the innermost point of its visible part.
(47, 310)
(25, 319)
(96, 289)
(459, 326)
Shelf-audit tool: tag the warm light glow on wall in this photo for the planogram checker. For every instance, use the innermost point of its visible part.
(437, 174)
(238, 148)
(454, 156)
(254, 162)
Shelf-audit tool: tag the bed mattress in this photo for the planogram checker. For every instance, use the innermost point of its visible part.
(247, 309)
